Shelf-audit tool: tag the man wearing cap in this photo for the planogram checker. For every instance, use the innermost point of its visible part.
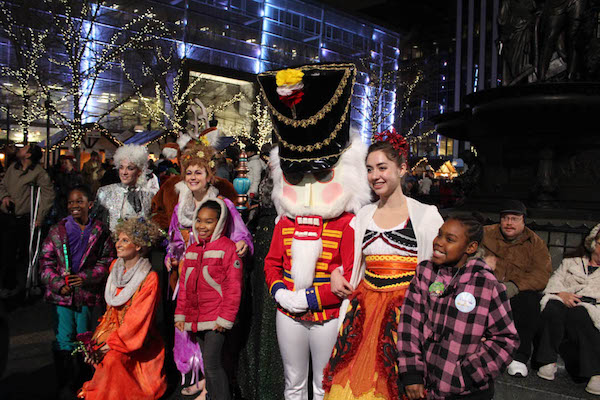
(521, 261)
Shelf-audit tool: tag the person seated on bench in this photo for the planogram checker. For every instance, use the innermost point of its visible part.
(571, 311)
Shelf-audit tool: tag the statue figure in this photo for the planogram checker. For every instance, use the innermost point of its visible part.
(561, 17)
(516, 21)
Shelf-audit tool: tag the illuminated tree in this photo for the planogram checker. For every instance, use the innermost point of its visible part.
(260, 117)
(24, 76)
(91, 40)
(390, 99)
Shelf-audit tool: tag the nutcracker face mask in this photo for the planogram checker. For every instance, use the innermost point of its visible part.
(326, 193)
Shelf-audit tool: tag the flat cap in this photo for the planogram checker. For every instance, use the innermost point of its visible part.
(513, 207)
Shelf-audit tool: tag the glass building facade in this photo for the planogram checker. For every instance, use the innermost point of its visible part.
(234, 40)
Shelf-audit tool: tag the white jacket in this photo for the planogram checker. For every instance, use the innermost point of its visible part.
(426, 222)
(571, 277)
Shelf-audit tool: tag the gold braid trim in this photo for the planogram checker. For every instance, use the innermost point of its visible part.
(314, 158)
(394, 285)
(390, 257)
(348, 69)
(318, 145)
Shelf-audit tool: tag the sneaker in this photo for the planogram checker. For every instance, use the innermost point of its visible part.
(593, 385)
(517, 368)
(547, 372)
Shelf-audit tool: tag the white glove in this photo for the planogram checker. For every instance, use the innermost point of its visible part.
(294, 302)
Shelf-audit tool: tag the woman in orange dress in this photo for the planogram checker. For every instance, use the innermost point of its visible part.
(391, 237)
(133, 351)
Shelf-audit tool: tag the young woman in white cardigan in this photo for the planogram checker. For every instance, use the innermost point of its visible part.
(391, 237)
(571, 311)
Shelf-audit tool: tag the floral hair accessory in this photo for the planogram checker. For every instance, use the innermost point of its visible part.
(200, 154)
(289, 88)
(204, 140)
(211, 164)
(395, 139)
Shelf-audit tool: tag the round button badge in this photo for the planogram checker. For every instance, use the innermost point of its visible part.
(465, 302)
(436, 289)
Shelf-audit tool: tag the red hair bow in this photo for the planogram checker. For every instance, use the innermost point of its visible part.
(395, 139)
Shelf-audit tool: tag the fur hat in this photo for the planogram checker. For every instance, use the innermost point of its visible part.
(590, 240)
(171, 151)
(135, 154)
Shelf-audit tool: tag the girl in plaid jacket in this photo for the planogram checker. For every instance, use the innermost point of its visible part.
(456, 332)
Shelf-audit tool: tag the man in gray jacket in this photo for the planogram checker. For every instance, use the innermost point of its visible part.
(15, 214)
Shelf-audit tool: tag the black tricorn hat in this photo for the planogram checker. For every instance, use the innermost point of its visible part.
(313, 136)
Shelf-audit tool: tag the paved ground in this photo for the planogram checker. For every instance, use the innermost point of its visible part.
(30, 372)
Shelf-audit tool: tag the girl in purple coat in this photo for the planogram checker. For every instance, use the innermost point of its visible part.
(74, 266)
(197, 169)
(456, 333)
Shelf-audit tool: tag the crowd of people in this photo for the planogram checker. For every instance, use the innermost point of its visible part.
(378, 299)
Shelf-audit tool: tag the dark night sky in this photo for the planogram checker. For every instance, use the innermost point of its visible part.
(425, 20)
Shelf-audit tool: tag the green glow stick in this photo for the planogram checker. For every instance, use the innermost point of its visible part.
(67, 267)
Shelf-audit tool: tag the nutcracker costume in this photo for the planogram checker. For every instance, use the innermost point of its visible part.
(319, 182)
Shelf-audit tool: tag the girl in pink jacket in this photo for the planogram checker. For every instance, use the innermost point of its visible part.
(210, 289)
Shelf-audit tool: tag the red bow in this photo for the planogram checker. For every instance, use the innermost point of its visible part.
(395, 139)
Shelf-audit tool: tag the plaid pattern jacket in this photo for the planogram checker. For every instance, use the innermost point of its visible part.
(452, 351)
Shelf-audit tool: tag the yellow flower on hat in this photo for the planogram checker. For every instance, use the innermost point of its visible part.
(289, 77)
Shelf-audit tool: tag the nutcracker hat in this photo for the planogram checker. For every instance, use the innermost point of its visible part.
(310, 109)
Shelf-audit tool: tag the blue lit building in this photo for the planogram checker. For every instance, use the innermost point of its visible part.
(245, 37)
(230, 41)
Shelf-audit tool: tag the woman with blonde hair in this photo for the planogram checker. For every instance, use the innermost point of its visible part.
(128, 351)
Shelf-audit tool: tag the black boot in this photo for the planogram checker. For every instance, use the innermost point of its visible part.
(64, 363)
(82, 371)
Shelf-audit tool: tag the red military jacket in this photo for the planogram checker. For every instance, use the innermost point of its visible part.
(338, 250)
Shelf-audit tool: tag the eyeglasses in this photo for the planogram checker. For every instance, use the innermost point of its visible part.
(512, 218)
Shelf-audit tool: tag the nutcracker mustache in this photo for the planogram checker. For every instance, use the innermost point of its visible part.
(305, 254)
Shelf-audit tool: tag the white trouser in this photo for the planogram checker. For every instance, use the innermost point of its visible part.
(298, 340)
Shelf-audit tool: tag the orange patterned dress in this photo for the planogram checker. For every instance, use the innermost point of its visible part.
(133, 367)
(363, 365)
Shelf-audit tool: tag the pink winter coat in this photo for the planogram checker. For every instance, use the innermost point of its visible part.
(210, 282)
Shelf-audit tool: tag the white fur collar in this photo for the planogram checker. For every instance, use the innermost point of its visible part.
(357, 192)
(186, 205)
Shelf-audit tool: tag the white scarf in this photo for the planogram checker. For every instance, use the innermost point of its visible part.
(187, 205)
(129, 280)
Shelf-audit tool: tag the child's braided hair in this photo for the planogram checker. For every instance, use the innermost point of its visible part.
(473, 224)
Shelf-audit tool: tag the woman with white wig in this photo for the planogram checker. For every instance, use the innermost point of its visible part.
(132, 196)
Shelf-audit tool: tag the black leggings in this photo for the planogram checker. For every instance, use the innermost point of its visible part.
(571, 331)
(211, 344)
